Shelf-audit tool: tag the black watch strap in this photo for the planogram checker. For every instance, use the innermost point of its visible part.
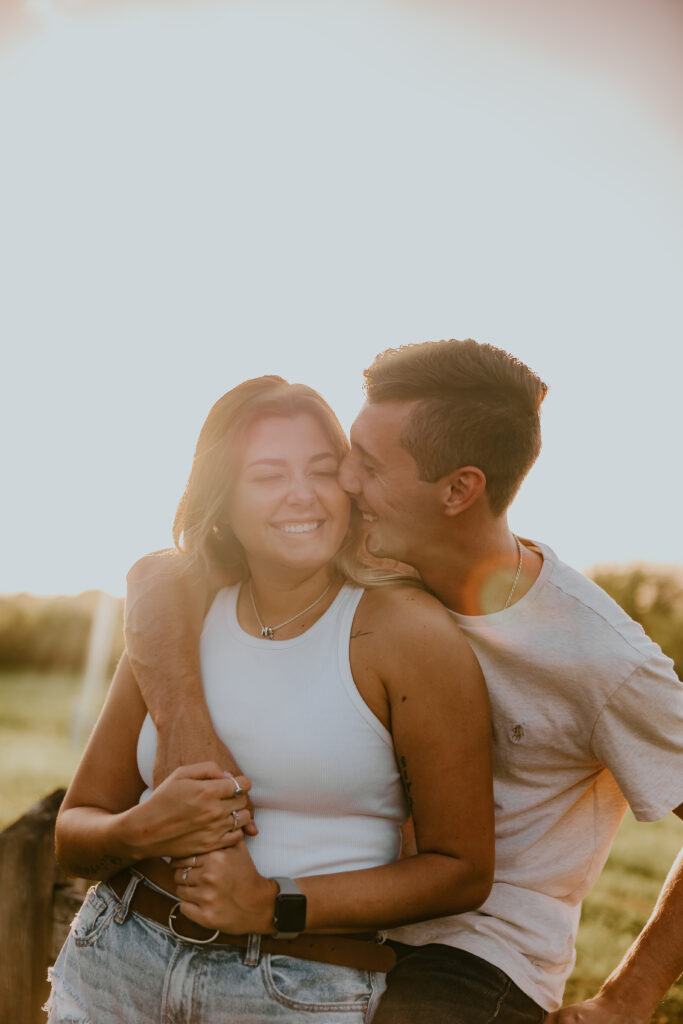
(290, 909)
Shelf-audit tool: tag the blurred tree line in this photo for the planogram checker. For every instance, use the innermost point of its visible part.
(654, 598)
(48, 633)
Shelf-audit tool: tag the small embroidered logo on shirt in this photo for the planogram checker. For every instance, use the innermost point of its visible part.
(517, 734)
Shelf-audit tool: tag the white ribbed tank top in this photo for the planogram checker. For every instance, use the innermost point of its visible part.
(326, 789)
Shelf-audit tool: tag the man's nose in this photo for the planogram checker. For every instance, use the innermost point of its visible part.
(348, 477)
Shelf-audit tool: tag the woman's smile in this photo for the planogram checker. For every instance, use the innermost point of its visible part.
(287, 507)
(299, 526)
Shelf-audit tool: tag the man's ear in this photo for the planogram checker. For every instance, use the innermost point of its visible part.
(461, 488)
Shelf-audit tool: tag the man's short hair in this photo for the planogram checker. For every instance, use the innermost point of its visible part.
(476, 406)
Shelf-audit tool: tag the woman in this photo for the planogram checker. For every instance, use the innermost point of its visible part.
(355, 702)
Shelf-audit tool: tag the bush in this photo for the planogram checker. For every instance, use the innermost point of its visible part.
(47, 633)
(50, 632)
(654, 598)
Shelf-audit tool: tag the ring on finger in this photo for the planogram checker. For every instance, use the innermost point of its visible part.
(194, 861)
(235, 820)
(186, 871)
(238, 789)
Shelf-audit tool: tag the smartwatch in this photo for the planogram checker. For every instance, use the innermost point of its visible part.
(290, 909)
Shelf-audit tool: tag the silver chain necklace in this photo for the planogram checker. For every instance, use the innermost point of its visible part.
(269, 631)
(519, 569)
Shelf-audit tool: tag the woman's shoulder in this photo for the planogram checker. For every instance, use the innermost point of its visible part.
(405, 635)
(405, 609)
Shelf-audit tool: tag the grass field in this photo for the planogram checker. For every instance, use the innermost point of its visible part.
(618, 906)
(36, 757)
(35, 752)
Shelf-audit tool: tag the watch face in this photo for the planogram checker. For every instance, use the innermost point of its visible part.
(290, 912)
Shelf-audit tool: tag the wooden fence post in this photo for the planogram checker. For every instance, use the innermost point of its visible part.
(31, 885)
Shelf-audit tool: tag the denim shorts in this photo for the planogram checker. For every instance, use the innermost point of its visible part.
(117, 967)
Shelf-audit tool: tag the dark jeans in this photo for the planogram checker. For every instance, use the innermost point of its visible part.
(438, 984)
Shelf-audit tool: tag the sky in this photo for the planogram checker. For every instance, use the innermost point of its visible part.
(193, 193)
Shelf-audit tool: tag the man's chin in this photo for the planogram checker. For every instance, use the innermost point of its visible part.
(389, 559)
(375, 547)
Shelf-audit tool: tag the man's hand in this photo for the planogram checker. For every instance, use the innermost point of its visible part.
(596, 1011)
(224, 890)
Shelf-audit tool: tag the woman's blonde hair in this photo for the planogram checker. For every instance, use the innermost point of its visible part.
(201, 528)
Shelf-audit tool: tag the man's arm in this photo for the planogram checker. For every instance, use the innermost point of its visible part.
(649, 968)
(165, 609)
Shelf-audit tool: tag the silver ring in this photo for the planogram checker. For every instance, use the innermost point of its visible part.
(235, 821)
(186, 871)
(194, 861)
(238, 789)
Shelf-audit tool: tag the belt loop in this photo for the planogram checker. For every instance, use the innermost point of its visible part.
(253, 951)
(124, 905)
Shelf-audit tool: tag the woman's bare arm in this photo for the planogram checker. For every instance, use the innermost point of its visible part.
(437, 709)
(101, 828)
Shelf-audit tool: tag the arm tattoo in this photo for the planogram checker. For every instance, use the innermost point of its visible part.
(407, 784)
(103, 868)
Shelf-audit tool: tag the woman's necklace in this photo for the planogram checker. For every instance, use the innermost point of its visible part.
(514, 582)
(269, 631)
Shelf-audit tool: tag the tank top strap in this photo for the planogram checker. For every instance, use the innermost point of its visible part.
(342, 610)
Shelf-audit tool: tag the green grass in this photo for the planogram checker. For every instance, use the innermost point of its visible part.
(618, 906)
(36, 756)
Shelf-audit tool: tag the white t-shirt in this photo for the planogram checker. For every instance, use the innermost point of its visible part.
(587, 717)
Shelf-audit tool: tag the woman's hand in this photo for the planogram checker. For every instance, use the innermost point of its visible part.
(184, 741)
(193, 811)
(223, 889)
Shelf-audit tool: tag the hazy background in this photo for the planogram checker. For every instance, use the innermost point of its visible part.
(194, 192)
(198, 192)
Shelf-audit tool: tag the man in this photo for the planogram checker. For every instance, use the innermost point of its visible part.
(587, 712)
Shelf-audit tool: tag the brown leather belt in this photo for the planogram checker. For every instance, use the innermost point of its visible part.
(361, 952)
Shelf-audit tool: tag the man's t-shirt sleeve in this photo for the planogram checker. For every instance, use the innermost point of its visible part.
(638, 736)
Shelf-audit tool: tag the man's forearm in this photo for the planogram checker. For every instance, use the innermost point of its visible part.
(655, 960)
(171, 685)
(164, 612)
(648, 970)
(165, 609)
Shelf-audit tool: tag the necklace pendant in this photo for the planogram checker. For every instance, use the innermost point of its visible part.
(268, 632)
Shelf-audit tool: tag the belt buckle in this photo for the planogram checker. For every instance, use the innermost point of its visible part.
(186, 938)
